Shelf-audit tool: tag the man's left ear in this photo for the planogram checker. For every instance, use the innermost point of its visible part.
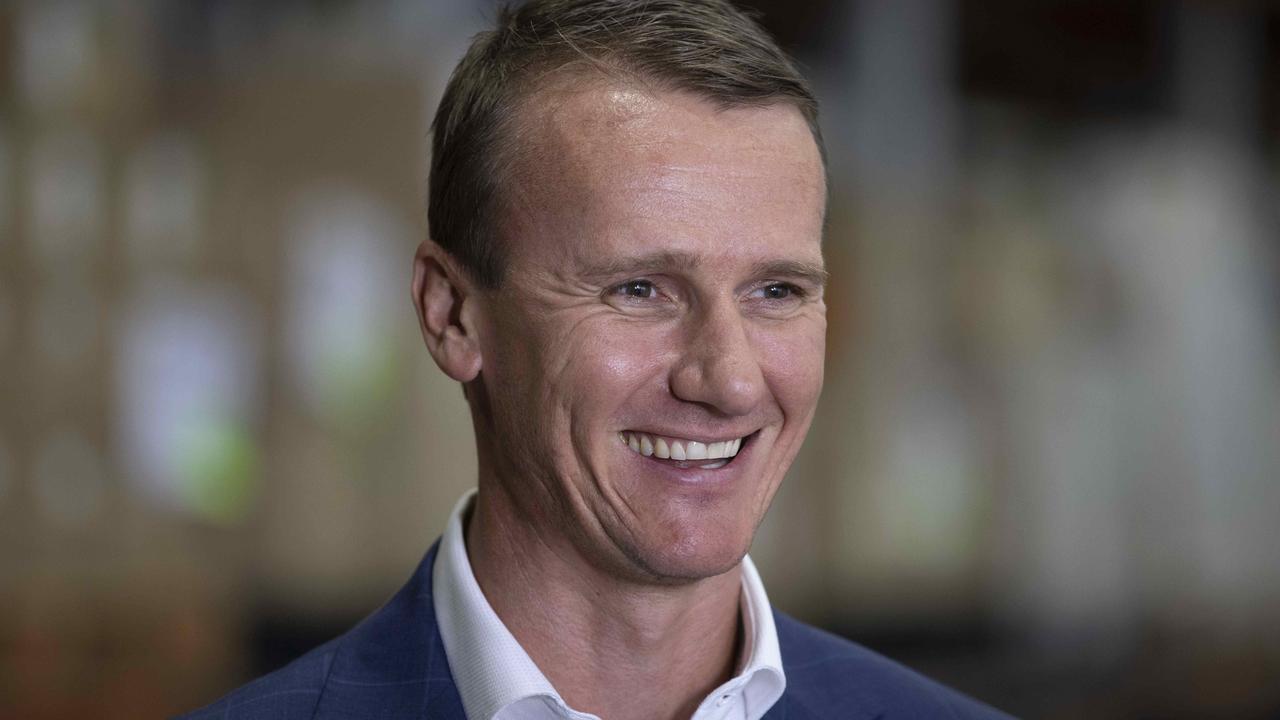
(443, 295)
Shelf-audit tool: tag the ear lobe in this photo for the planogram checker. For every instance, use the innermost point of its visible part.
(440, 294)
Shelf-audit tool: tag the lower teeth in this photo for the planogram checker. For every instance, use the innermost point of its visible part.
(708, 466)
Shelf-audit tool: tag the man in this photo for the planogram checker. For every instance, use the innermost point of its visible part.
(625, 275)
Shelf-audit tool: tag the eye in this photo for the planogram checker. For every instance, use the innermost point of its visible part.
(779, 291)
(637, 289)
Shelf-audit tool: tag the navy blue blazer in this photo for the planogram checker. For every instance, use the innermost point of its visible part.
(393, 665)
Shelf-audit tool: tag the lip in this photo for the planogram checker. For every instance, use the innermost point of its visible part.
(693, 476)
(686, 435)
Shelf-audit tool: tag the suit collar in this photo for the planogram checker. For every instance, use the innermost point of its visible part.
(393, 663)
(820, 668)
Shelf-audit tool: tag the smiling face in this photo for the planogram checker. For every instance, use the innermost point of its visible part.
(662, 296)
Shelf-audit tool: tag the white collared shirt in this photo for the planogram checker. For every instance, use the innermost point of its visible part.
(497, 680)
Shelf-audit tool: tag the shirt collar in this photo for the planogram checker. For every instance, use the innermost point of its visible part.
(493, 672)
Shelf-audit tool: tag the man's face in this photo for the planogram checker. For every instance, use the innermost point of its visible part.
(662, 296)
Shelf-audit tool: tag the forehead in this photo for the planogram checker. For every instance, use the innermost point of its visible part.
(602, 162)
(595, 123)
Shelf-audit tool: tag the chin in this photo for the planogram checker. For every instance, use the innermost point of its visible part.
(685, 554)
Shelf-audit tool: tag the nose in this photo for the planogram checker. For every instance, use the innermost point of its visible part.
(718, 366)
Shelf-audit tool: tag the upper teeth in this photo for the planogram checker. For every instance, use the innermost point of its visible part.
(679, 449)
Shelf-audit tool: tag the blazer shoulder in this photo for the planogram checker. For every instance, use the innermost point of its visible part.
(391, 660)
(289, 693)
(831, 675)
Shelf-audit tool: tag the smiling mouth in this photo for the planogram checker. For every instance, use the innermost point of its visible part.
(683, 452)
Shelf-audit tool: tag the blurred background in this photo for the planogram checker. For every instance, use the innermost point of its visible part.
(1044, 469)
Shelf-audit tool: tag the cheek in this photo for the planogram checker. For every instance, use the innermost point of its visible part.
(522, 373)
(791, 359)
(611, 365)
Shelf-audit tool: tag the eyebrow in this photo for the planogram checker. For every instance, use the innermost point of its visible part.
(810, 273)
(815, 275)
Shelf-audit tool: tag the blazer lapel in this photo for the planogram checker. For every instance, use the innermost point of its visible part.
(393, 664)
(813, 690)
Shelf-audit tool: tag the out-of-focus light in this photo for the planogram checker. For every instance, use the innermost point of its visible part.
(164, 197)
(927, 505)
(345, 300)
(188, 375)
(55, 52)
(66, 196)
(219, 460)
(68, 319)
(68, 479)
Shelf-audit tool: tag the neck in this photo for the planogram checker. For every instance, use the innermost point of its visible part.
(614, 648)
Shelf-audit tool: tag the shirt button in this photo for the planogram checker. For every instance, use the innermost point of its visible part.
(723, 700)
